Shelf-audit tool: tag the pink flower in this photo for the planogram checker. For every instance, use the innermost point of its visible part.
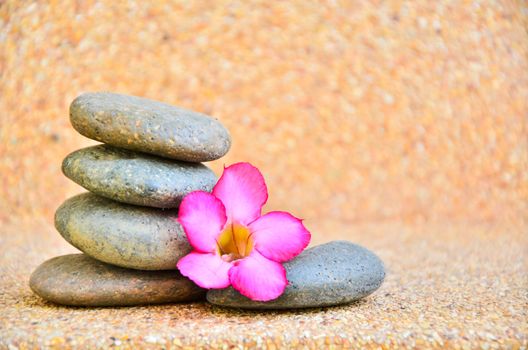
(233, 244)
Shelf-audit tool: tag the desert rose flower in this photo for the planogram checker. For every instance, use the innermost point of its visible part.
(233, 244)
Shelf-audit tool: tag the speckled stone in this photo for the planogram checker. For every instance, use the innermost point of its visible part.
(140, 124)
(136, 178)
(79, 280)
(121, 234)
(334, 273)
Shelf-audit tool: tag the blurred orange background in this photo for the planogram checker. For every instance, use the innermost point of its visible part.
(353, 111)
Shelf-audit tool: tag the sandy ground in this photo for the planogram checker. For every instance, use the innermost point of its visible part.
(457, 286)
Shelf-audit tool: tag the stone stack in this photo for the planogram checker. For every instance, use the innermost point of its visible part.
(126, 225)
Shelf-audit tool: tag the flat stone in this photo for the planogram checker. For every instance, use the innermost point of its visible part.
(79, 280)
(144, 125)
(121, 234)
(136, 178)
(334, 273)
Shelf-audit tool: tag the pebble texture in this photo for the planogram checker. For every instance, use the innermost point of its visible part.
(334, 273)
(121, 234)
(149, 126)
(79, 280)
(136, 178)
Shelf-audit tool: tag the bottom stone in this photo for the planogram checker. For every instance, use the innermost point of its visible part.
(334, 273)
(79, 280)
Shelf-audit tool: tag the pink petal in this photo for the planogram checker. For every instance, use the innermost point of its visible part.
(279, 236)
(243, 191)
(202, 216)
(206, 270)
(258, 278)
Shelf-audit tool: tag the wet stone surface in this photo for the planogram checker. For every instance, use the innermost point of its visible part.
(334, 273)
(136, 178)
(79, 280)
(121, 234)
(145, 125)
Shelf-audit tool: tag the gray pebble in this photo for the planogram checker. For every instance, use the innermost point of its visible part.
(145, 125)
(334, 273)
(79, 280)
(121, 234)
(136, 178)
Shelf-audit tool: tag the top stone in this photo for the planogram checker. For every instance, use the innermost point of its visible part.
(144, 125)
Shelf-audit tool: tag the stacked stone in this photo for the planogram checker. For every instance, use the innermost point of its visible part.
(126, 225)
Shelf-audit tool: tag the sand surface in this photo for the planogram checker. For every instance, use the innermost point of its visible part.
(459, 286)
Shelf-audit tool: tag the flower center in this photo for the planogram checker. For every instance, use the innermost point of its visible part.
(235, 242)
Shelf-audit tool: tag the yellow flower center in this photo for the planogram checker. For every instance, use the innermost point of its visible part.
(235, 242)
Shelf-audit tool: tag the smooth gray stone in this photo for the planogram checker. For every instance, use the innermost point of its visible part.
(121, 234)
(144, 125)
(136, 178)
(79, 280)
(334, 273)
